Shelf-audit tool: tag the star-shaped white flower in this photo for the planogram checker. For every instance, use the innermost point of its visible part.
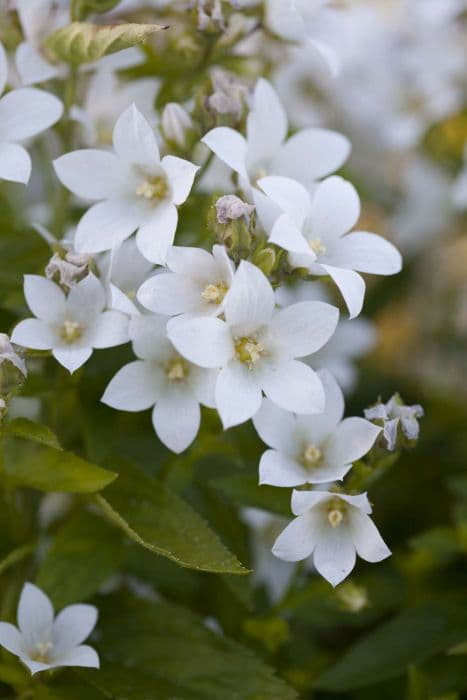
(307, 156)
(314, 229)
(71, 326)
(334, 528)
(42, 642)
(256, 348)
(23, 113)
(197, 284)
(311, 449)
(134, 189)
(163, 379)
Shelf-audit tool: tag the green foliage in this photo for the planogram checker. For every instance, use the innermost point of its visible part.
(80, 43)
(81, 8)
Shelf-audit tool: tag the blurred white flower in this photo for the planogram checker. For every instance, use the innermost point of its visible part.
(134, 189)
(393, 414)
(176, 123)
(71, 326)
(42, 642)
(334, 528)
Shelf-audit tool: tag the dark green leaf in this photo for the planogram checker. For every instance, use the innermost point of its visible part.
(29, 429)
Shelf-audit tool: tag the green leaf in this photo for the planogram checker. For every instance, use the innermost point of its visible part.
(409, 639)
(16, 556)
(159, 520)
(76, 690)
(40, 466)
(80, 42)
(81, 8)
(244, 490)
(84, 554)
(167, 653)
(29, 429)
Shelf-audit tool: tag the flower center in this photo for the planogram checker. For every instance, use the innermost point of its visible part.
(177, 369)
(311, 456)
(153, 188)
(317, 246)
(70, 331)
(214, 293)
(336, 510)
(249, 350)
(41, 652)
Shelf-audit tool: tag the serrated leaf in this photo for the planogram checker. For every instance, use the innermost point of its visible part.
(84, 554)
(154, 517)
(409, 639)
(167, 653)
(38, 466)
(80, 42)
(29, 429)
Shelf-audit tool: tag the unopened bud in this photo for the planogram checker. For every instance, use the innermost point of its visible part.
(352, 598)
(68, 270)
(210, 15)
(265, 259)
(176, 123)
(231, 207)
(229, 96)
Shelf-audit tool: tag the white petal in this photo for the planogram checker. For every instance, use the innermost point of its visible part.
(192, 262)
(34, 666)
(303, 328)
(15, 163)
(318, 427)
(26, 112)
(72, 626)
(157, 234)
(289, 195)
(250, 301)
(106, 224)
(35, 334)
(72, 358)
(368, 542)
(35, 615)
(352, 439)
(303, 501)
(335, 209)
(171, 294)
(229, 146)
(266, 123)
(294, 386)
(134, 140)
(360, 501)
(181, 174)
(3, 68)
(367, 252)
(148, 333)
(10, 638)
(83, 656)
(266, 209)
(91, 174)
(238, 394)
(176, 419)
(203, 384)
(278, 469)
(32, 66)
(334, 556)
(204, 341)
(136, 387)
(285, 234)
(298, 539)
(45, 298)
(351, 286)
(312, 154)
(86, 300)
(108, 330)
(276, 427)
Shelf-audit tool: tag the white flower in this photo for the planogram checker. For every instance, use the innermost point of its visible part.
(256, 347)
(71, 326)
(176, 123)
(134, 190)
(197, 285)
(307, 156)
(23, 113)
(125, 269)
(163, 379)
(394, 414)
(334, 528)
(42, 642)
(313, 228)
(311, 449)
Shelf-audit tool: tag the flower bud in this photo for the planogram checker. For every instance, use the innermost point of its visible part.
(231, 207)
(68, 270)
(12, 367)
(265, 259)
(176, 123)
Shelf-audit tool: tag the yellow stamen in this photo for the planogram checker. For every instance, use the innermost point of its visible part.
(41, 652)
(71, 331)
(249, 350)
(317, 246)
(177, 370)
(214, 293)
(311, 456)
(153, 188)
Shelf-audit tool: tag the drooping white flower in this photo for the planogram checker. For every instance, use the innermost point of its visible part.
(309, 155)
(71, 326)
(23, 113)
(162, 379)
(395, 414)
(197, 284)
(134, 189)
(311, 449)
(314, 229)
(334, 528)
(41, 641)
(256, 348)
